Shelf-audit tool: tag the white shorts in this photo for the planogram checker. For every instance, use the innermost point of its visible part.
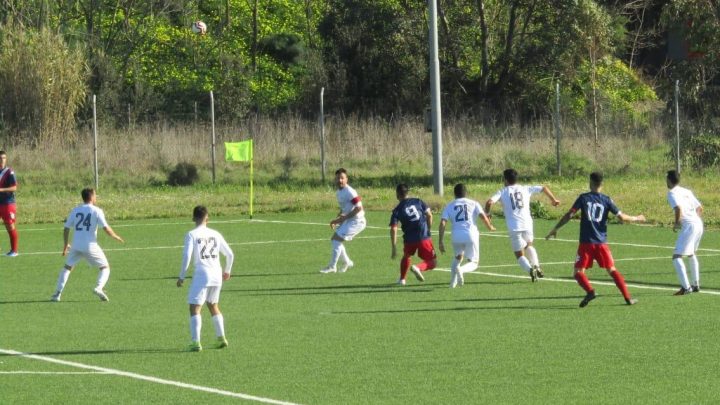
(688, 239)
(199, 295)
(469, 248)
(350, 228)
(94, 256)
(520, 239)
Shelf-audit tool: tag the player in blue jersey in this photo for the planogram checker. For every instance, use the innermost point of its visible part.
(415, 219)
(8, 186)
(594, 208)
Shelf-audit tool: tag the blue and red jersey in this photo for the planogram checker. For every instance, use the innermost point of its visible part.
(410, 213)
(594, 209)
(7, 179)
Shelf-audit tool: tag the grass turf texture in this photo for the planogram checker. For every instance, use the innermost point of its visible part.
(301, 336)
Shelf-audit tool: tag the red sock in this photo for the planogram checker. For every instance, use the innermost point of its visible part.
(404, 267)
(582, 279)
(13, 240)
(425, 266)
(620, 283)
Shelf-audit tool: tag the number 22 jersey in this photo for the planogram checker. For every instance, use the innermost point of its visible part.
(203, 246)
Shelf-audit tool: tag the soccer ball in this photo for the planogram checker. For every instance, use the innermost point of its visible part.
(199, 27)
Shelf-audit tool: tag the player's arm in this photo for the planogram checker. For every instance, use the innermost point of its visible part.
(229, 258)
(554, 201)
(632, 218)
(344, 217)
(66, 241)
(678, 216)
(699, 210)
(564, 220)
(187, 255)
(441, 235)
(108, 230)
(486, 221)
(393, 241)
(429, 218)
(10, 189)
(488, 204)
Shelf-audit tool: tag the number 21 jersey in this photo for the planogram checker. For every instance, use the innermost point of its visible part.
(463, 214)
(84, 221)
(594, 209)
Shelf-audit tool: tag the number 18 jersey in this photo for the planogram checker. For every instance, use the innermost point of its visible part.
(84, 221)
(516, 206)
(594, 209)
(203, 246)
(463, 214)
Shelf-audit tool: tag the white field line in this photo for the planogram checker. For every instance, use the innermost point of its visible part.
(145, 378)
(54, 372)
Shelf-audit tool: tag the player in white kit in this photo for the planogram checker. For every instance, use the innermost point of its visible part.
(203, 246)
(688, 211)
(462, 213)
(515, 199)
(349, 222)
(84, 221)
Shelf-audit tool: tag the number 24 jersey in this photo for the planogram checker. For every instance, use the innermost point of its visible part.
(84, 221)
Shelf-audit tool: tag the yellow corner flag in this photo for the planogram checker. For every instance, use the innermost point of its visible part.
(239, 151)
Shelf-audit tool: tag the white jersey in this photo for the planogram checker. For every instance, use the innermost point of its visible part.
(684, 199)
(515, 200)
(463, 214)
(84, 221)
(348, 199)
(202, 245)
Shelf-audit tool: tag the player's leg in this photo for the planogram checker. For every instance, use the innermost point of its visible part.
(518, 245)
(409, 250)
(197, 295)
(472, 254)
(336, 243)
(61, 281)
(529, 237)
(426, 251)
(584, 261)
(347, 231)
(605, 260)
(693, 261)
(217, 317)
(8, 213)
(684, 246)
(458, 248)
(96, 257)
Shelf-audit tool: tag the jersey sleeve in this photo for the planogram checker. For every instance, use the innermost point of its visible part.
(69, 220)
(612, 207)
(186, 256)
(478, 210)
(535, 189)
(446, 212)
(227, 252)
(577, 205)
(496, 197)
(672, 200)
(102, 222)
(394, 217)
(11, 180)
(355, 198)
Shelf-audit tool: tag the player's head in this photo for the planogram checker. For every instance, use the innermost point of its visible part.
(88, 195)
(673, 178)
(3, 159)
(596, 180)
(200, 214)
(341, 177)
(460, 190)
(401, 191)
(510, 176)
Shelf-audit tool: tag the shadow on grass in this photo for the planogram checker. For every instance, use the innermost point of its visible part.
(347, 289)
(430, 310)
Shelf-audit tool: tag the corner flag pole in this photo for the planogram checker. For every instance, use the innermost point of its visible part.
(251, 186)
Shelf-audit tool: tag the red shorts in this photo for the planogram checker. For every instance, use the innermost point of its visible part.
(600, 252)
(7, 213)
(424, 249)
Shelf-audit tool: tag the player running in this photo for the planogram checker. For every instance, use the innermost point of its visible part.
(84, 220)
(349, 222)
(594, 208)
(688, 212)
(8, 208)
(463, 213)
(202, 246)
(515, 199)
(415, 218)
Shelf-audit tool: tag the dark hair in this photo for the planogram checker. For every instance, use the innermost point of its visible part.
(510, 175)
(673, 177)
(2, 152)
(460, 190)
(86, 194)
(340, 170)
(596, 178)
(402, 190)
(199, 212)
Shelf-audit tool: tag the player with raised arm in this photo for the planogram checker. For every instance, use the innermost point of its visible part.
(515, 199)
(415, 218)
(688, 219)
(594, 208)
(8, 208)
(463, 214)
(203, 247)
(348, 224)
(84, 220)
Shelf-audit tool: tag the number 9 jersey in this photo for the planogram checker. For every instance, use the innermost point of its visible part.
(594, 208)
(204, 245)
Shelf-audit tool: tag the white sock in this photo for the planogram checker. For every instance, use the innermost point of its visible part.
(681, 272)
(219, 324)
(343, 254)
(335, 253)
(195, 326)
(103, 277)
(62, 280)
(453, 272)
(532, 255)
(468, 267)
(694, 270)
(524, 263)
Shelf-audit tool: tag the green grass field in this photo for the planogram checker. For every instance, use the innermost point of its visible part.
(303, 337)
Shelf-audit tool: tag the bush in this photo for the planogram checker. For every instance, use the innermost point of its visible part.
(184, 174)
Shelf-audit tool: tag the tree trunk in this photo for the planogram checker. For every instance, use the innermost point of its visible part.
(485, 68)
